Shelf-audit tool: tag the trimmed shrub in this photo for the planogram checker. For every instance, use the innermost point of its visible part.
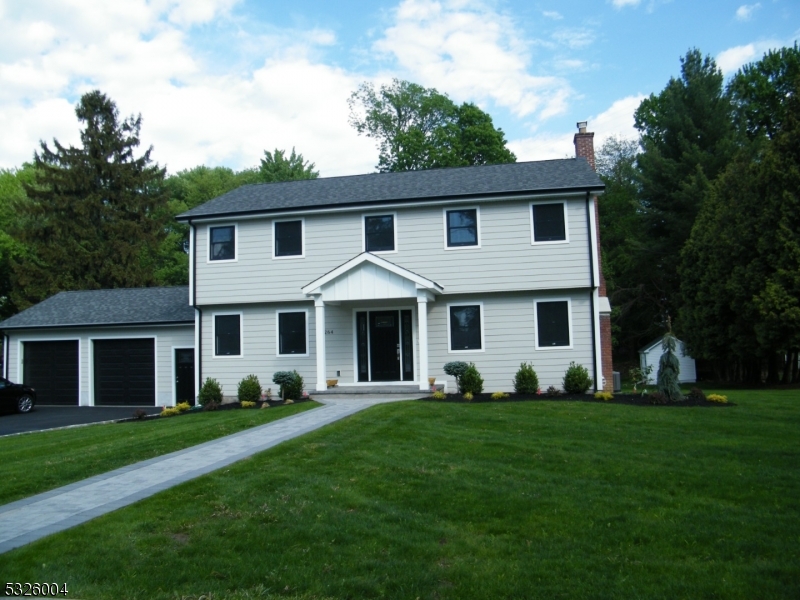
(657, 398)
(468, 396)
(526, 381)
(249, 389)
(456, 369)
(247, 404)
(291, 384)
(170, 412)
(697, 395)
(499, 396)
(438, 395)
(604, 396)
(471, 381)
(576, 379)
(210, 392)
(183, 406)
(552, 392)
(717, 398)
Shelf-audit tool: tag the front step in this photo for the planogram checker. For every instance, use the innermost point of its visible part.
(372, 390)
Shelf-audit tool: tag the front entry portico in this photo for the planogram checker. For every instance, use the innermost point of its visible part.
(384, 334)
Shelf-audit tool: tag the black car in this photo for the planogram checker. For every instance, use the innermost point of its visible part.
(15, 397)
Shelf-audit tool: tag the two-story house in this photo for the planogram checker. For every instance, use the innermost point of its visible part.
(375, 279)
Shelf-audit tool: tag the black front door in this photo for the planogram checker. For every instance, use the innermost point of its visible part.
(384, 339)
(184, 375)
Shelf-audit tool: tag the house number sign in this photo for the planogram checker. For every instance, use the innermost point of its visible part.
(329, 332)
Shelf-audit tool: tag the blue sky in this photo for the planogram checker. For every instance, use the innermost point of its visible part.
(219, 81)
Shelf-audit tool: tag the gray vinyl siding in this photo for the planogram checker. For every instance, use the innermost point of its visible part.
(506, 260)
(167, 337)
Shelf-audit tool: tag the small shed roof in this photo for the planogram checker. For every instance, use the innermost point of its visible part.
(132, 306)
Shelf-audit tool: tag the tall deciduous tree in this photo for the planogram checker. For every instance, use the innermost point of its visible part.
(12, 195)
(277, 166)
(94, 215)
(420, 128)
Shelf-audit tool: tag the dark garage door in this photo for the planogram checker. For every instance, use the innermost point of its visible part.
(124, 372)
(52, 369)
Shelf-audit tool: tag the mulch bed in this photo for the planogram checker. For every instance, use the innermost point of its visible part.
(632, 399)
(226, 406)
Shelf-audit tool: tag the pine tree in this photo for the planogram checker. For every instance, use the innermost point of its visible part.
(95, 214)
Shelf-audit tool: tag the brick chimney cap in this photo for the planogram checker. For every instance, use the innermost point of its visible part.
(582, 126)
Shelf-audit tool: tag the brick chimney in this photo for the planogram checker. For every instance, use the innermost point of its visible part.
(584, 143)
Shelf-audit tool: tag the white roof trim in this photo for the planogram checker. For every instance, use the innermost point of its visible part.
(421, 282)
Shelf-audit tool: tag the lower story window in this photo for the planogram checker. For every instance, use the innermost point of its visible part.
(465, 327)
(292, 333)
(552, 324)
(227, 335)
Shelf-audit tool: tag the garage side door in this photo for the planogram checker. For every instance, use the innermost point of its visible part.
(124, 372)
(52, 369)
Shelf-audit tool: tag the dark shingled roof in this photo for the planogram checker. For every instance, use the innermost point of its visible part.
(407, 186)
(107, 307)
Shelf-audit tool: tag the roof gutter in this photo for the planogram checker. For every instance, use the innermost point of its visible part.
(94, 325)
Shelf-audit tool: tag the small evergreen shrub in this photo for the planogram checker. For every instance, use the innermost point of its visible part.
(719, 398)
(211, 405)
(211, 391)
(247, 404)
(468, 396)
(553, 392)
(249, 389)
(456, 369)
(697, 395)
(526, 381)
(658, 398)
(438, 395)
(291, 384)
(499, 396)
(576, 379)
(183, 406)
(606, 396)
(471, 381)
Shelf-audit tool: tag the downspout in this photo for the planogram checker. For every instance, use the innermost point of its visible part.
(198, 336)
(597, 385)
(5, 355)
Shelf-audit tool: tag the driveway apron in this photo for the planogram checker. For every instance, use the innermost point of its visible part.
(30, 519)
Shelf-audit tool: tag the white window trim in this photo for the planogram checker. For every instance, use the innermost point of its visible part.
(278, 334)
(450, 337)
(477, 210)
(214, 354)
(536, 324)
(235, 244)
(364, 231)
(566, 224)
(302, 239)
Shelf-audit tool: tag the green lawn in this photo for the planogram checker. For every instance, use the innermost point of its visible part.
(37, 462)
(507, 500)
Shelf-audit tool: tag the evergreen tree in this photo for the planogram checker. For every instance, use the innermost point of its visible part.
(669, 369)
(94, 216)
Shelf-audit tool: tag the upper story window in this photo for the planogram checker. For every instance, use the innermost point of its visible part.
(549, 222)
(222, 243)
(465, 323)
(380, 234)
(228, 335)
(292, 333)
(461, 228)
(288, 237)
(553, 324)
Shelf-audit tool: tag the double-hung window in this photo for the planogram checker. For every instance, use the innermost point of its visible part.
(292, 333)
(228, 335)
(222, 243)
(288, 238)
(465, 323)
(379, 233)
(462, 227)
(553, 324)
(549, 223)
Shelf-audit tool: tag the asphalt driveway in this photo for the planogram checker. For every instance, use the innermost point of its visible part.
(49, 417)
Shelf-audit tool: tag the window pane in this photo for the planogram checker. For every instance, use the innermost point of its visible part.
(227, 333)
(289, 238)
(465, 327)
(292, 333)
(553, 323)
(548, 223)
(462, 227)
(223, 243)
(379, 233)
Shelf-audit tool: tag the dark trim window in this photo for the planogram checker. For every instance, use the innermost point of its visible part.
(379, 233)
(465, 327)
(289, 238)
(552, 324)
(292, 333)
(548, 223)
(227, 335)
(462, 227)
(223, 242)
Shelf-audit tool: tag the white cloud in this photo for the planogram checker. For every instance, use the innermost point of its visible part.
(745, 11)
(574, 38)
(624, 3)
(472, 52)
(732, 59)
(552, 14)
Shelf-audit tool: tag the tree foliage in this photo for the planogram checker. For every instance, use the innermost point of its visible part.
(420, 128)
(276, 166)
(93, 217)
(12, 196)
(669, 369)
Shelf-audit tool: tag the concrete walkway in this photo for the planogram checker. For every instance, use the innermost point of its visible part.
(30, 519)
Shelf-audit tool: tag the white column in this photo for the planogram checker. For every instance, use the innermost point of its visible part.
(422, 316)
(319, 307)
